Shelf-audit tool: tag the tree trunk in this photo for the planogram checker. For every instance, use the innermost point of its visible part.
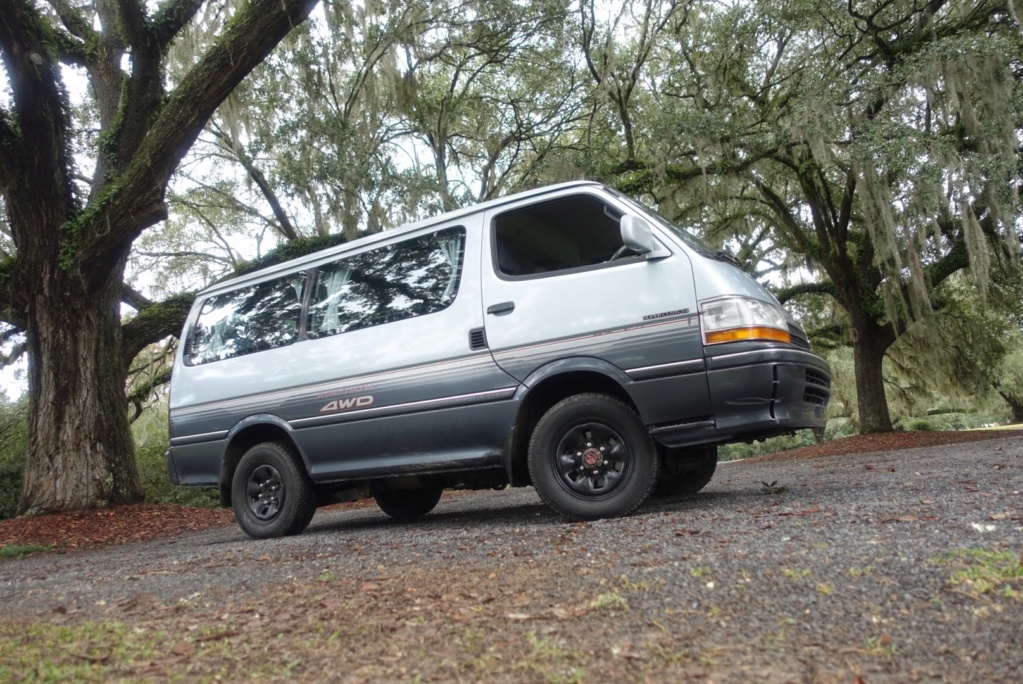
(79, 449)
(869, 345)
(1015, 403)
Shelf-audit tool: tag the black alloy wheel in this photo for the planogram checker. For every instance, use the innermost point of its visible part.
(271, 493)
(591, 457)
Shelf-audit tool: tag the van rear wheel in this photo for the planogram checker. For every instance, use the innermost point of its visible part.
(408, 504)
(686, 471)
(591, 457)
(270, 492)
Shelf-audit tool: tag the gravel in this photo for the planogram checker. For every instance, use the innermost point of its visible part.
(825, 569)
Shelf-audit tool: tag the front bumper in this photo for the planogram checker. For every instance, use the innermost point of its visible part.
(766, 391)
(757, 393)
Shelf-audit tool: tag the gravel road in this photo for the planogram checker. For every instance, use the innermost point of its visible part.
(844, 567)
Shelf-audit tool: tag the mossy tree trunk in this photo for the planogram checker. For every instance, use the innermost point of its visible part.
(63, 285)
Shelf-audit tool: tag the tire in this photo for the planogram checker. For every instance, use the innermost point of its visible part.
(686, 471)
(271, 493)
(591, 457)
(408, 504)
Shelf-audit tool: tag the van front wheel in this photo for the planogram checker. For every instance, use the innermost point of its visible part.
(270, 492)
(591, 457)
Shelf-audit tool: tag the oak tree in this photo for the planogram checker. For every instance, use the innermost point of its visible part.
(81, 181)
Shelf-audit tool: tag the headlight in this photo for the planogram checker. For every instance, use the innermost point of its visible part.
(729, 319)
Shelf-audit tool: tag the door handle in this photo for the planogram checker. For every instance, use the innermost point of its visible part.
(503, 307)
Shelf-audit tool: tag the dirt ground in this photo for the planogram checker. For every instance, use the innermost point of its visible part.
(140, 522)
(856, 561)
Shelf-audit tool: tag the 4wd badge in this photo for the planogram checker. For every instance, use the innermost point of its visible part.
(348, 403)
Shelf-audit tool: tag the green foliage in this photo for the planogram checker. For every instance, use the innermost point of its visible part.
(151, 439)
(953, 420)
(10, 489)
(292, 249)
(12, 447)
(857, 162)
(158, 488)
(731, 452)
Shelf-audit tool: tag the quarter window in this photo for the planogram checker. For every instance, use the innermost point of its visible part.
(390, 283)
(264, 316)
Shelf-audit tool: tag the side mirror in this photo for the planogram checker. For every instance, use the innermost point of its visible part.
(638, 236)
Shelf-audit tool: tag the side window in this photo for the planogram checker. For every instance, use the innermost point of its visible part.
(573, 232)
(263, 316)
(391, 283)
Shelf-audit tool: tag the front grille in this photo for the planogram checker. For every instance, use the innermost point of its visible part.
(817, 389)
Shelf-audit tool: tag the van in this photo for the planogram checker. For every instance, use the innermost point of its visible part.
(566, 338)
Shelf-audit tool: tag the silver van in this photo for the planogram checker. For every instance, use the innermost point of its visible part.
(566, 338)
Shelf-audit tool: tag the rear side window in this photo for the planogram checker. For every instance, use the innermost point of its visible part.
(569, 233)
(390, 283)
(263, 316)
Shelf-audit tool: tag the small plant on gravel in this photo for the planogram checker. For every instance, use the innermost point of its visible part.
(772, 488)
(612, 601)
(858, 573)
(881, 646)
(572, 675)
(699, 571)
(795, 573)
(629, 585)
(545, 654)
(774, 640)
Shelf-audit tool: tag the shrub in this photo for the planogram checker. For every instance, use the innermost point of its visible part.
(10, 489)
(158, 487)
(738, 450)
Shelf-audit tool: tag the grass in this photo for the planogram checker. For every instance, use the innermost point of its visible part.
(22, 550)
(983, 572)
(91, 652)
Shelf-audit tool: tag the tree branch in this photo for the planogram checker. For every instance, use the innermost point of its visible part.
(171, 18)
(136, 199)
(134, 298)
(285, 227)
(825, 288)
(153, 323)
(40, 117)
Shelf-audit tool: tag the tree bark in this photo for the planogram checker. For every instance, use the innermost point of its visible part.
(1015, 403)
(870, 342)
(79, 445)
(71, 248)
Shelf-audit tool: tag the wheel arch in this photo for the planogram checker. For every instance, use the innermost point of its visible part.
(548, 385)
(248, 433)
